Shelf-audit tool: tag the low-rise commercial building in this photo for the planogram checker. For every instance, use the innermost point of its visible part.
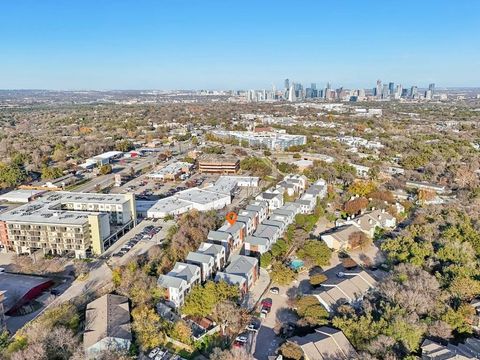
(63, 222)
(172, 171)
(218, 164)
(213, 197)
(19, 289)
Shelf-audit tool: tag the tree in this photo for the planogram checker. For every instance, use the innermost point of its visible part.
(56, 343)
(266, 259)
(181, 332)
(11, 175)
(229, 316)
(359, 239)
(279, 248)
(460, 319)
(50, 173)
(310, 310)
(359, 329)
(257, 166)
(315, 252)
(356, 205)
(415, 289)
(317, 279)
(361, 188)
(201, 301)
(407, 250)
(290, 350)
(282, 274)
(465, 288)
(148, 328)
(124, 146)
(232, 354)
(426, 195)
(287, 168)
(105, 169)
(135, 284)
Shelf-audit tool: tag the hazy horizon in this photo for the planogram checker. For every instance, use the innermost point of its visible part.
(181, 44)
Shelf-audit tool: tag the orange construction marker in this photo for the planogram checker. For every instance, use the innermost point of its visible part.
(232, 217)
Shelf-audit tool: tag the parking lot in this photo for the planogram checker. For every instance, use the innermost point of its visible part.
(138, 241)
(266, 340)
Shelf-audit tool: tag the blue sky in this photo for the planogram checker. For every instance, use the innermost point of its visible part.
(226, 44)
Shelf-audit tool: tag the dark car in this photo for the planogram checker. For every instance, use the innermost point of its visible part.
(254, 325)
(55, 292)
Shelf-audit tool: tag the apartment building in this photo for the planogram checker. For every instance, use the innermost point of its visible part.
(269, 140)
(64, 222)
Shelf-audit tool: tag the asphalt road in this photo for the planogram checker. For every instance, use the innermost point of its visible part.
(267, 340)
(103, 181)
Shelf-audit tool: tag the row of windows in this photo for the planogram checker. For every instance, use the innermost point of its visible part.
(52, 246)
(45, 228)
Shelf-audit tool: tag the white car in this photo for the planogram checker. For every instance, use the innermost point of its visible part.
(160, 355)
(242, 338)
(154, 352)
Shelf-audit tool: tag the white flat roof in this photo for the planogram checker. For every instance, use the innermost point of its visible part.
(20, 196)
(108, 155)
(47, 209)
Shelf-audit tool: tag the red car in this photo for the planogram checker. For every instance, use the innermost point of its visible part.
(267, 303)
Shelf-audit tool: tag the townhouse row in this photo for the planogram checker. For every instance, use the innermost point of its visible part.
(256, 229)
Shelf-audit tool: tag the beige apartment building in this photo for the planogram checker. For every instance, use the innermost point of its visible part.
(65, 222)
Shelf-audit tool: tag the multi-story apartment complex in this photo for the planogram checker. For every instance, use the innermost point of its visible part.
(265, 139)
(64, 222)
(218, 164)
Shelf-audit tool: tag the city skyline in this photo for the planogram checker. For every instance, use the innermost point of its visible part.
(213, 45)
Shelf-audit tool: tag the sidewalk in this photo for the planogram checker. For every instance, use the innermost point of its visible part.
(254, 295)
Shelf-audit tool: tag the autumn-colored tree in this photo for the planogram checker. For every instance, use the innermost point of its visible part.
(359, 240)
(426, 195)
(230, 316)
(105, 169)
(356, 205)
(181, 332)
(232, 354)
(290, 350)
(148, 327)
(361, 187)
(317, 279)
(382, 195)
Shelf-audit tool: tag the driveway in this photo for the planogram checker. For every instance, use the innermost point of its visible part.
(251, 299)
(267, 341)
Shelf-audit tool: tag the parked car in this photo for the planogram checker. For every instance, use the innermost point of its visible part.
(238, 344)
(267, 302)
(264, 312)
(55, 292)
(275, 290)
(153, 353)
(242, 337)
(254, 325)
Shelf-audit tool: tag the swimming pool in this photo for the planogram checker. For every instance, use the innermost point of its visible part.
(296, 264)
